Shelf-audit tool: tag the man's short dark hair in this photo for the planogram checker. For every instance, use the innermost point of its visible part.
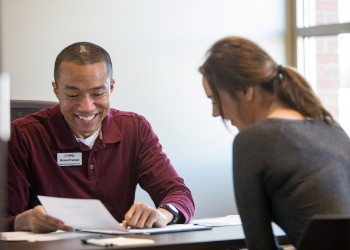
(83, 53)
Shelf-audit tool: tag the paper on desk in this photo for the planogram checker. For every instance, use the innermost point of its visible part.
(81, 213)
(30, 236)
(120, 241)
(229, 220)
(167, 229)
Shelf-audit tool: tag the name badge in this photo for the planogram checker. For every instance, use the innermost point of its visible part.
(69, 159)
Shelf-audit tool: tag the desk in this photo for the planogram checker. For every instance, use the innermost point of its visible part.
(231, 237)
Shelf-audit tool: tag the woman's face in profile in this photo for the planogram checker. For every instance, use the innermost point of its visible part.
(229, 106)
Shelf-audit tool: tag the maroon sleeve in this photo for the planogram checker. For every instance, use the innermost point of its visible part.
(158, 177)
(18, 176)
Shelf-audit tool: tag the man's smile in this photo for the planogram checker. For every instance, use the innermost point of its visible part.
(87, 118)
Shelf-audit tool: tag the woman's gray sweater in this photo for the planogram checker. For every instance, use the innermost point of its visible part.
(286, 171)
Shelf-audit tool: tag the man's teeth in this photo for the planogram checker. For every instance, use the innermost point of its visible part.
(86, 118)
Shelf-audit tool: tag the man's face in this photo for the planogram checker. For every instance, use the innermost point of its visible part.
(83, 92)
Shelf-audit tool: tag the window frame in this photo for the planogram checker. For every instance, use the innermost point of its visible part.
(300, 33)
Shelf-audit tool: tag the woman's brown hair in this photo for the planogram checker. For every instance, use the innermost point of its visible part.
(236, 63)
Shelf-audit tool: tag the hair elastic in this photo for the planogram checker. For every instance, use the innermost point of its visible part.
(279, 74)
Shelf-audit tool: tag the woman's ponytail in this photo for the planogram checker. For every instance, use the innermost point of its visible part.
(295, 91)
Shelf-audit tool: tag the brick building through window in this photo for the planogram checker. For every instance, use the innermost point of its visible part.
(326, 58)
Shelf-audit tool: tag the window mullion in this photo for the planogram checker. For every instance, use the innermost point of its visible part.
(324, 30)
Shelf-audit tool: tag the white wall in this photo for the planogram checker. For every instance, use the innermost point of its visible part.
(156, 48)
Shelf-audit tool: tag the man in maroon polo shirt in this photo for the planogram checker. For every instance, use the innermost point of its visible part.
(111, 152)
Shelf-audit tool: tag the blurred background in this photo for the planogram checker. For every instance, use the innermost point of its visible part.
(156, 48)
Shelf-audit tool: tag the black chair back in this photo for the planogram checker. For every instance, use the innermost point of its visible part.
(325, 232)
(21, 108)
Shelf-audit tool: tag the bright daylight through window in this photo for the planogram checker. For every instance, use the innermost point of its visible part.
(323, 53)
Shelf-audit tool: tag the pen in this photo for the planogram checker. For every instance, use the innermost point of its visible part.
(97, 243)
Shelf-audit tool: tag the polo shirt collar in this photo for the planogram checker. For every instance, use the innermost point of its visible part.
(110, 130)
(65, 138)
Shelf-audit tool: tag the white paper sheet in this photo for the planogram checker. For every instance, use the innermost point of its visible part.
(80, 213)
(229, 220)
(120, 241)
(30, 236)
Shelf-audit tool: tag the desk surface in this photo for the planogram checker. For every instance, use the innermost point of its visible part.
(231, 237)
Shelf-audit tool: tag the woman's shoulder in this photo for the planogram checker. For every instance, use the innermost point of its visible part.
(271, 130)
(264, 126)
(259, 138)
(275, 125)
(267, 129)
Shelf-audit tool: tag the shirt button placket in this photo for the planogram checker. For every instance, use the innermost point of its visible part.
(91, 164)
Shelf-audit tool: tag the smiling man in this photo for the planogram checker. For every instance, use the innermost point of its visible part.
(112, 152)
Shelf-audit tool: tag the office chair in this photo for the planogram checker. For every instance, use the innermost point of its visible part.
(325, 232)
(21, 108)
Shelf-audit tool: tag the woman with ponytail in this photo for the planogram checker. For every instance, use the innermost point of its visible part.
(291, 160)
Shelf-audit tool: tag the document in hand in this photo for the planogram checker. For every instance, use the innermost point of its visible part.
(81, 213)
(91, 215)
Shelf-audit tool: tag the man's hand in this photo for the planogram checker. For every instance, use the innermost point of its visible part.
(38, 221)
(141, 215)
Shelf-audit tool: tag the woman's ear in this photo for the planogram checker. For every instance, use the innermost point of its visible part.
(248, 93)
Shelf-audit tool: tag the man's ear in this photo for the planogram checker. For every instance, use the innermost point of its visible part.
(248, 93)
(55, 90)
(111, 87)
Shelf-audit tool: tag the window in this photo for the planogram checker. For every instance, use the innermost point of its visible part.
(321, 43)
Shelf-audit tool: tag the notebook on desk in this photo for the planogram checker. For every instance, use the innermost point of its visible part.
(176, 228)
